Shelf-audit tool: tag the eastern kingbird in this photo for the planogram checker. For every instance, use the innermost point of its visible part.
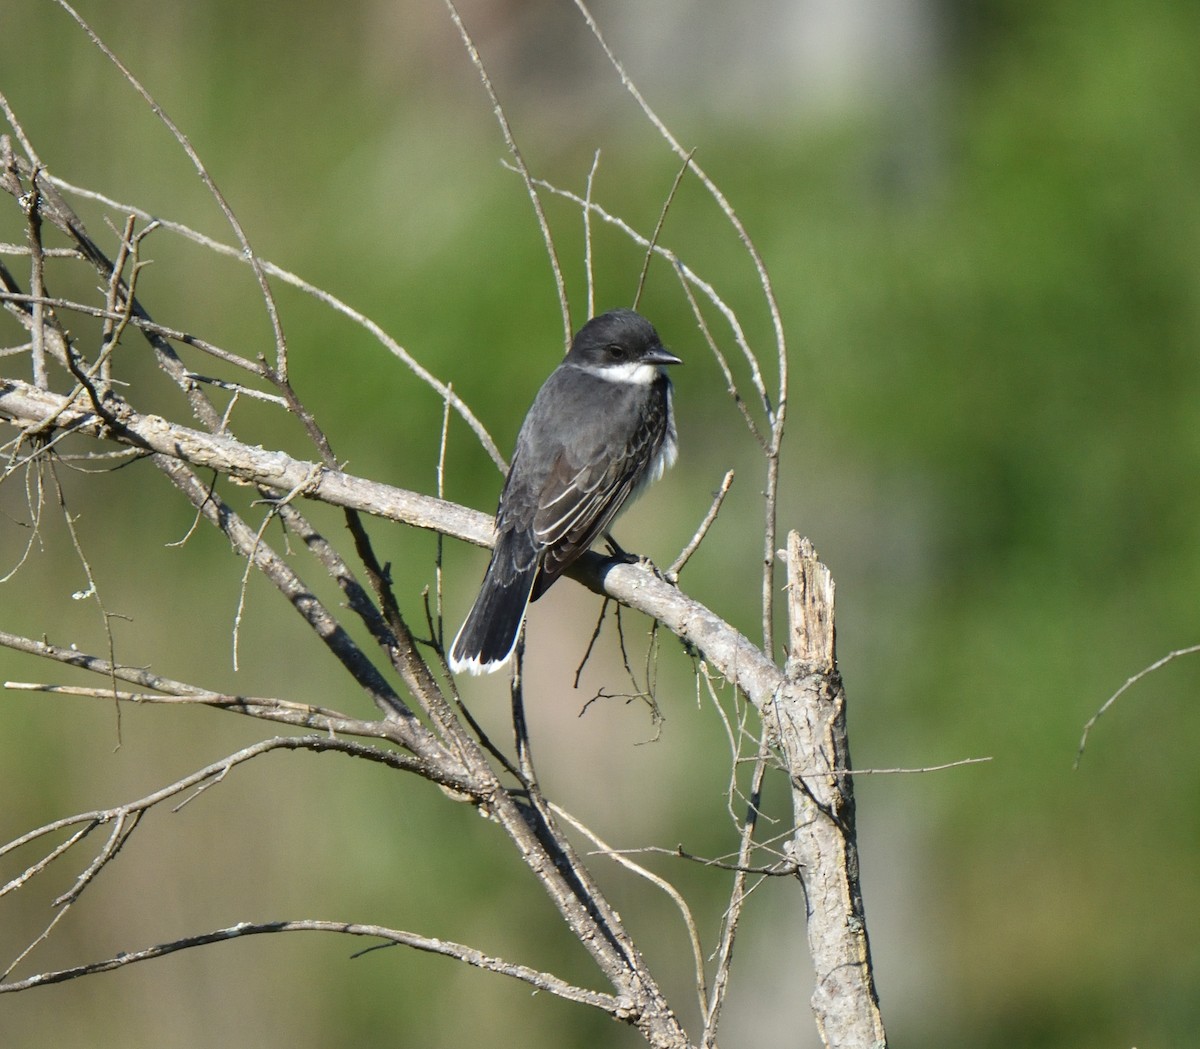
(600, 429)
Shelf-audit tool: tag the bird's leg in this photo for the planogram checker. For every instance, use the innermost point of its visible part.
(619, 555)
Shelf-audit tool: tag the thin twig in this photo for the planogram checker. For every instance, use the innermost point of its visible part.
(116, 302)
(23, 250)
(251, 561)
(587, 237)
(37, 941)
(439, 623)
(34, 503)
(301, 715)
(1158, 664)
(587, 652)
(330, 300)
(737, 901)
(730, 384)
(898, 771)
(685, 555)
(610, 1004)
(238, 390)
(658, 228)
(689, 922)
(141, 322)
(92, 590)
(516, 691)
(209, 183)
(511, 142)
(37, 283)
(731, 736)
(782, 868)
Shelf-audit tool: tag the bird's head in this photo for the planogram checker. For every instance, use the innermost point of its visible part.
(621, 345)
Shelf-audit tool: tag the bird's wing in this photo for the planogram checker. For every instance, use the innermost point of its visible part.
(580, 499)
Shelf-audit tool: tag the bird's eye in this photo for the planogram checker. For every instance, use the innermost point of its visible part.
(616, 351)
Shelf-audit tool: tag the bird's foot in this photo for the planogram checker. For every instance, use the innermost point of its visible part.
(619, 555)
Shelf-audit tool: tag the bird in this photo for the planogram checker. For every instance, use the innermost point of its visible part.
(600, 430)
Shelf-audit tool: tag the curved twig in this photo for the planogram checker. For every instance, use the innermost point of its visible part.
(689, 275)
(206, 177)
(530, 185)
(779, 413)
(332, 301)
(610, 1004)
(621, 857)
(1158, 664)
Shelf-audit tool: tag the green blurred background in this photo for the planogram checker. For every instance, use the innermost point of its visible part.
(983, 224)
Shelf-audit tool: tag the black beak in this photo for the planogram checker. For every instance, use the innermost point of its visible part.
(660, 355)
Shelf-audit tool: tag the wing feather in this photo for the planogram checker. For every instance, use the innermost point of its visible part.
(580, 500)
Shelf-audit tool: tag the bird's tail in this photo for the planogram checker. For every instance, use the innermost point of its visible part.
(488, 636)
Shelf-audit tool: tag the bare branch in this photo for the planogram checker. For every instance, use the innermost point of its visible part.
(800, 707)
(808, 720)
(299, 715)
(206, 177)
(662, 219)
(26, 406)
(614, 1006)
(735, 657)
(332, 301)
(124, 818)
(139, 321)
(1158, 664)
(587, 237)
(621, 857)
(530, 186)
(685, 554)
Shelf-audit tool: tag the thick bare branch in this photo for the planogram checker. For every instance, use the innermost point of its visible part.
(801, 706)
(26, 406)
(735, 656)
(809, 721)
(738, 659)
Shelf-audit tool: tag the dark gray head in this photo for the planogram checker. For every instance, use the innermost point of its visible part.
(618, 339)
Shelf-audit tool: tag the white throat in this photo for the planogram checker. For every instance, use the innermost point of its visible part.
(635, 373)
